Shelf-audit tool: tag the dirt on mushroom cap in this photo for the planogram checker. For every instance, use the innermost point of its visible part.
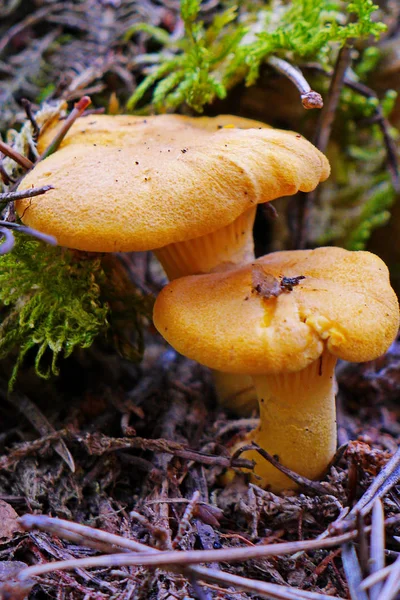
(128, 129)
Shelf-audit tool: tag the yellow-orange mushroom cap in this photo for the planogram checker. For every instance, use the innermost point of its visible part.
(343, 307)
(130, 129)
(345, 303)
(162, 180)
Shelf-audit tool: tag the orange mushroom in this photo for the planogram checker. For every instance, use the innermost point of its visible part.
(285, 320)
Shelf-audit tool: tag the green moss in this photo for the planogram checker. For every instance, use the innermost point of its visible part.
(209, 59)
(51, 303)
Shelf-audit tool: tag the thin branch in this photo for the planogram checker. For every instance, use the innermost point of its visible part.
(377, 547)
(392, 584)
(91, 537)
(376, 577)
(309, 98)
(261, 588)
(49, 239)
(327, 116)
(29, 113)
(378, 118)
(31, 193)
(314, 486)
(77, 111)
(9, 241)
(191, 557)
(352, 570)
(100, 444)
(16, 156)
(38, 420)
(63, 528)
(322, 136)
(388, 477)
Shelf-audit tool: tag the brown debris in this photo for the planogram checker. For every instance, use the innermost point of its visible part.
(8, 521)
(267, 285)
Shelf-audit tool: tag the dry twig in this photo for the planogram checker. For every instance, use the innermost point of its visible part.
(313, 486)
(40, 423)
(166, 559)
(324, 129)
(23, 161)
(77, 111)
(31, 193)
(309, 98)
(99, 444)
(172, 560)
(377, 546)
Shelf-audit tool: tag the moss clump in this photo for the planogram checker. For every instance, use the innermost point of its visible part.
(209, 59)
(51, 302)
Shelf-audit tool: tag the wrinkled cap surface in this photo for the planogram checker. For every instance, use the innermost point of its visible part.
(161, 180)
(344, 303)
(131, 129)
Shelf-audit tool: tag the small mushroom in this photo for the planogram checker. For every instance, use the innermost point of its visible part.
(338, 304)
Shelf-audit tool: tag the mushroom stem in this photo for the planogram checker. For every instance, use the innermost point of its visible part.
(221, 250)
(297, 422)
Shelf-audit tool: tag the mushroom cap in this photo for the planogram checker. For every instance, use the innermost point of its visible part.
(162, 180)
(344, 303)
(131, 129)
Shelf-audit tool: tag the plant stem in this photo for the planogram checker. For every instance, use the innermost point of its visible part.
(309, 98)
(77, 111)
(11, 153)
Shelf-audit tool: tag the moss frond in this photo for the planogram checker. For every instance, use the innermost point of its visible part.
(51, 302)
(208, 60)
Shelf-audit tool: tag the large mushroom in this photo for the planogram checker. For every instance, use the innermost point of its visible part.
(285, 320)
(186, 188)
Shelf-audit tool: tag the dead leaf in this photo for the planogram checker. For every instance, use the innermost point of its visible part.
(8, 521)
